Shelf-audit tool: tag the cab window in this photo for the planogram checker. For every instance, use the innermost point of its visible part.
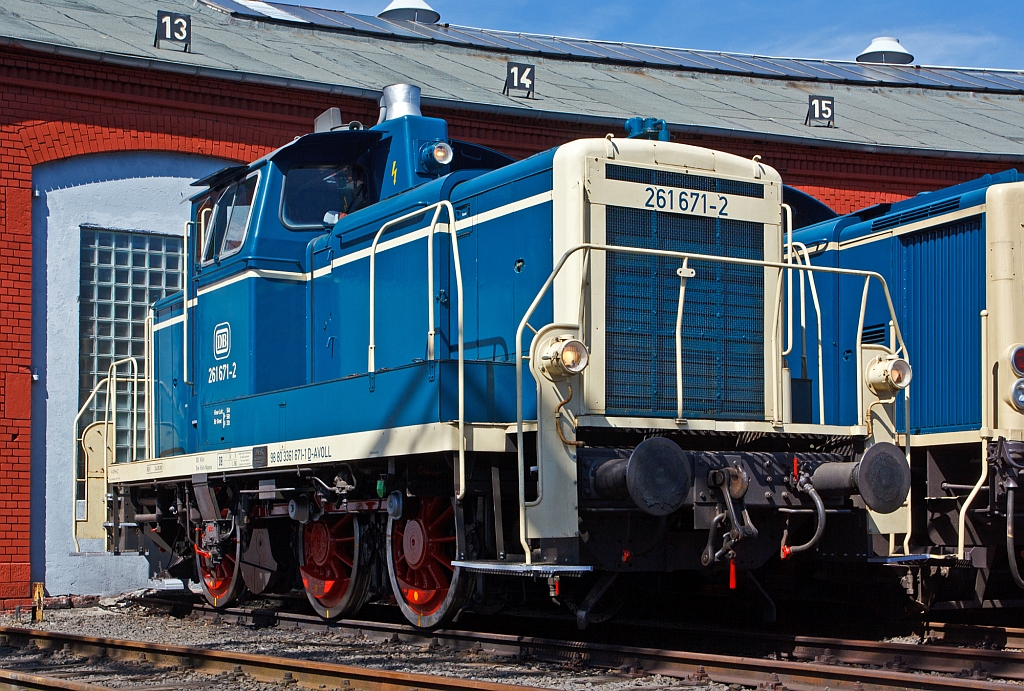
(311, 192)
(230, 220)
(241, 210)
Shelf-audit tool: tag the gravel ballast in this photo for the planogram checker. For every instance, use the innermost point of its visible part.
(121, 619)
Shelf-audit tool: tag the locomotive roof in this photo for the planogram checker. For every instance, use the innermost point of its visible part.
(343, 146)
(922, 206)
(968, 112)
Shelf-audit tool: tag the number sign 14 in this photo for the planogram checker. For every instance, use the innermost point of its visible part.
(520, 77)
(821, 111)
(174, 28)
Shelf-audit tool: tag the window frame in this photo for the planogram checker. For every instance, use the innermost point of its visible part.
(210, 236)
(284, 188)
(248, 220)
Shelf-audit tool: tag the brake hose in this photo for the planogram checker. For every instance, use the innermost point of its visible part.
(819, 510)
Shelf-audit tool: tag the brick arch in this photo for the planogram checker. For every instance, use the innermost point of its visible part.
(57, 139)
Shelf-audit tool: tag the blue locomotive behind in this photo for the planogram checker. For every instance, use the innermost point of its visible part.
(406, 365)
(953, 258)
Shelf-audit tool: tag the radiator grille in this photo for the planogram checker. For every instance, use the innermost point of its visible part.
(723, 318)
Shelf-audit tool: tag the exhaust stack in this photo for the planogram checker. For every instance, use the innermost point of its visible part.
(399, 100)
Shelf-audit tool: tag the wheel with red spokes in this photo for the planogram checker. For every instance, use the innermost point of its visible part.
(332, 576)
(219, 575)
(420, 550)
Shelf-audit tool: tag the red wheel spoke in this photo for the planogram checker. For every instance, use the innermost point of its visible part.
(437, 576)
(442, 560)
(435, 525)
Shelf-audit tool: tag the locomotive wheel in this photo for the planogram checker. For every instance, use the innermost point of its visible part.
(329, 554)
(420, 548)
(221, 582)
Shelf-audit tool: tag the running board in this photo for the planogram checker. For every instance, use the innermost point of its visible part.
(520, 568)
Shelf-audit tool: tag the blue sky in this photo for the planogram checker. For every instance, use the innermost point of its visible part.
(975, 33)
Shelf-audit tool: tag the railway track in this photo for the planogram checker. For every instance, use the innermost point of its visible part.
(125, 662)
(773, 661)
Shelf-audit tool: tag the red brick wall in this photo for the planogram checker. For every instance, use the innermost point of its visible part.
(52, 108)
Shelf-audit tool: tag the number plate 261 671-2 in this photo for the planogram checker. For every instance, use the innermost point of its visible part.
(671, 199)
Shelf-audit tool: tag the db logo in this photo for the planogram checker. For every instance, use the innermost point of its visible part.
(221, 341)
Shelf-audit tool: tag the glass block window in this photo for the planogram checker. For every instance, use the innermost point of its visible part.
(122, 274)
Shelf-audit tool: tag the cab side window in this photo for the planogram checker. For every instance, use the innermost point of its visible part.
(218, 224)
(311, 192)
(230, 220)
(240, 212)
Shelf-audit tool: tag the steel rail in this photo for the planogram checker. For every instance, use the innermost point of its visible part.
(22, 681)
(812, 662)
(264, 668)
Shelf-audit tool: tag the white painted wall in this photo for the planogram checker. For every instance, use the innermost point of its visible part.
(124, 191)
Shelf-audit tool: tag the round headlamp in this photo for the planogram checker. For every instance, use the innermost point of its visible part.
(1017, 395)
(890, 374)
(565, 357)
(436, 154)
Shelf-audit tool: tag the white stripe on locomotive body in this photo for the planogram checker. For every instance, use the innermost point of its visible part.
(379, 443)
(170, 322)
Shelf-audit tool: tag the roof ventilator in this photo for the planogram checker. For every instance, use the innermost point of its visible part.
(886, 50)
(918, 214)
(411, 10)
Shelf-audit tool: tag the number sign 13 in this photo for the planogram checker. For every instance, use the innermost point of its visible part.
(174, 28)
(821, 111)
(520, 77)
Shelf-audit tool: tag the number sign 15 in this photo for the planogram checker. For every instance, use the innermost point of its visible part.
(520, 77)
(821, 111)
(174, 28)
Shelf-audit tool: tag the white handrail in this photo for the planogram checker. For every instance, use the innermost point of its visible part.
(110, 405)
(986, 422)
(802, 249)
(587, 247)
(150, 381)
(186, 283)
(370, 360)
(685, 272)
(437, 207)
(788, 344)
(105, 382)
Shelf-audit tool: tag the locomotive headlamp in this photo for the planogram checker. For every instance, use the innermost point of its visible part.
(1017, 360)
(436, 154)
(565, 357)
(1017, 395)
(889, 374)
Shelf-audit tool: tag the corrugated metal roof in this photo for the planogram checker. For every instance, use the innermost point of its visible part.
(936, 110)
(970, 79)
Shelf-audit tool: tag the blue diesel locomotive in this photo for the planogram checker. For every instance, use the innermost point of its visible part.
(953, 259)
(408, 366)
